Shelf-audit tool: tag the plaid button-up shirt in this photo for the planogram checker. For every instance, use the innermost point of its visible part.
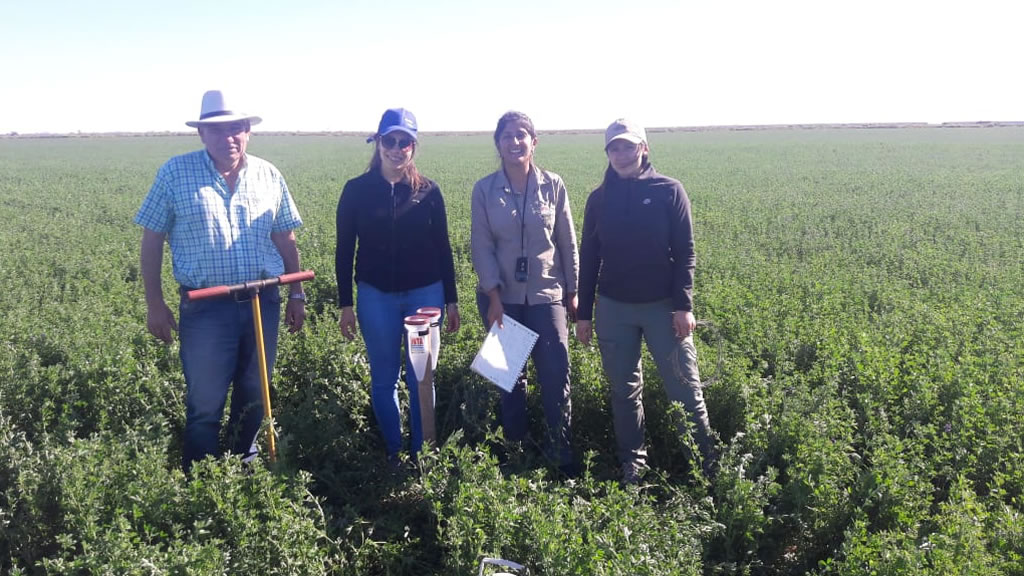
(217, 237)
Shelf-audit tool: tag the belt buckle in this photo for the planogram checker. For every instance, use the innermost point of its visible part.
(242, 296)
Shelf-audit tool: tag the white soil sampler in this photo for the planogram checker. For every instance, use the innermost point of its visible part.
(520, 570)
(419, 349)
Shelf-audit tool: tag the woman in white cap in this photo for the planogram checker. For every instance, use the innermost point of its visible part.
(637, 253)
(404, 262)
(524, 253)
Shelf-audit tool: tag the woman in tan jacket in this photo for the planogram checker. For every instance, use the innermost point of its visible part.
(525, 256)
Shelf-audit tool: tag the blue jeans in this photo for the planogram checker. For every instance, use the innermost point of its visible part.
(551, 360)
(218, 351)
(382, 323)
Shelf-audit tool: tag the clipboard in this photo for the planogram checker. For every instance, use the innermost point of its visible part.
(504, 352)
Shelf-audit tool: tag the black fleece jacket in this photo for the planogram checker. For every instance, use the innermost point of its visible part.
(637, 242)
(395, 253)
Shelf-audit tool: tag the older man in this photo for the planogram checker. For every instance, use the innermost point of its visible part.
(228, 218)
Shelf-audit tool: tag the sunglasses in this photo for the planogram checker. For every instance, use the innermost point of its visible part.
(229, 129)
(389, 142)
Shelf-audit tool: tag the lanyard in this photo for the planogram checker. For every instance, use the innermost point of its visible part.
(522, 213)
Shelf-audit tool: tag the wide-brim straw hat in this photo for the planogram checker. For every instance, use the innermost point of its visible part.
(215, 110)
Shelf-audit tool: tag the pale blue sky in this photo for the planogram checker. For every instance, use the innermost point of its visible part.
(119, 65)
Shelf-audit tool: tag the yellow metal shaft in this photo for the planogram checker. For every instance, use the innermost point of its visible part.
(257, 319)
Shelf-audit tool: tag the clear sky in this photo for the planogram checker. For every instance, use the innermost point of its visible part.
(140, 65)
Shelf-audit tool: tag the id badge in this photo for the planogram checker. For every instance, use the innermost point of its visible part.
(522, 269)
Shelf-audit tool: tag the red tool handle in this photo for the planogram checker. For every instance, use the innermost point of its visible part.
(209, 292)
(295, 277)
(215, 291)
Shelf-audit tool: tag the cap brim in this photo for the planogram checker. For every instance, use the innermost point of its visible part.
(398, 129)
(624, 136)
(253, 120)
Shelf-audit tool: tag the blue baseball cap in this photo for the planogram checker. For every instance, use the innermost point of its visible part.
(396, 119)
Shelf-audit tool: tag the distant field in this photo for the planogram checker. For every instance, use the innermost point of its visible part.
(865, 359)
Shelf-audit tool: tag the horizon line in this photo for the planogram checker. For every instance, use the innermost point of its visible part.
(657, 129)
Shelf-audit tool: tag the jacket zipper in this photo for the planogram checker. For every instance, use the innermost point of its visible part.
(394, 241)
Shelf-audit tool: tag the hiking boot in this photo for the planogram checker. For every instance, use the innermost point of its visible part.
(570, 470)
(632, 474)
(396, 467)
(711, 465)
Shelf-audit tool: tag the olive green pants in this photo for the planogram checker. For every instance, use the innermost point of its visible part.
(619, 327)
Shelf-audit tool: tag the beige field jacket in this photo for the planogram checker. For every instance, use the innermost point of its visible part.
(547, 238)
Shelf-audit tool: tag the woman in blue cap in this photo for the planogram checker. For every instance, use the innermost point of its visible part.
(396, 217)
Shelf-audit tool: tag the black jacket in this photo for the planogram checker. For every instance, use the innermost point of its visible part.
(397, 252)
(637, 242)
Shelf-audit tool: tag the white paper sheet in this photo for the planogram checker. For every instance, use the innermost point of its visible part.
(504, 352)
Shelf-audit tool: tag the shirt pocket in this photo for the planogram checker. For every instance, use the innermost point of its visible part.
(505, 219)
(545, 212)
(203, 217)
(254, 211)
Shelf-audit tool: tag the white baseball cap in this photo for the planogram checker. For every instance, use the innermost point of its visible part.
(623, 129)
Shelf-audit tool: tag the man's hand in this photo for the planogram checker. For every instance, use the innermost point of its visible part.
(295, 314)
(160, 321)
(452, 322)
(347, 323)
(159, 318)
(584, 330)
(295, 310)
(684, 323)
